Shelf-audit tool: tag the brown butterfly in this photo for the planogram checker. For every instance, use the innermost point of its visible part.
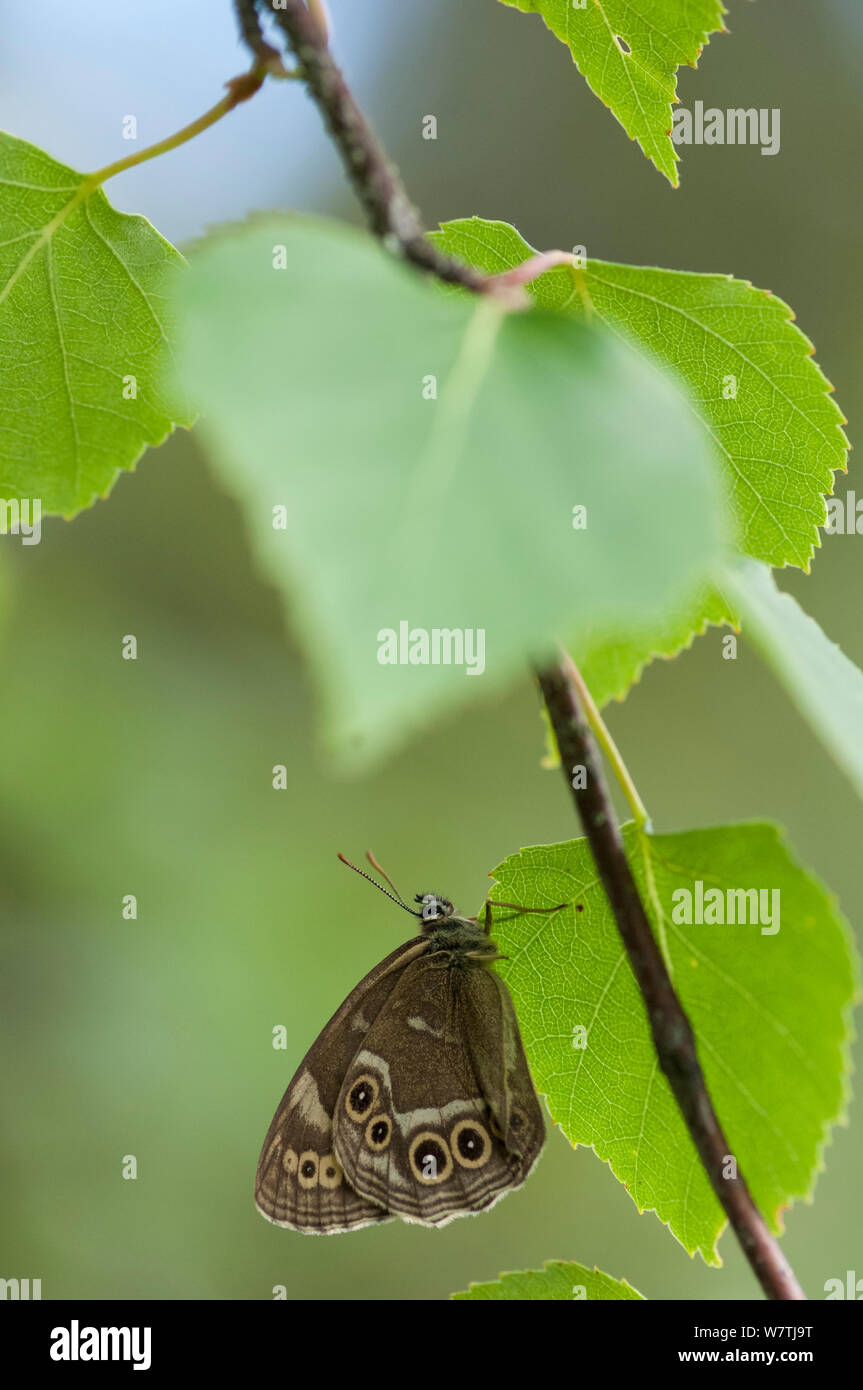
(416, 1100)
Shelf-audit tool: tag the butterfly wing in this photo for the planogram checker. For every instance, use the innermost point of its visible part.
(300, 1182)
(435, 1093)
(498, 1056)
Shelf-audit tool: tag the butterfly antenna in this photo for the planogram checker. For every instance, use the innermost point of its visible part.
(377, 885)
(383, 873)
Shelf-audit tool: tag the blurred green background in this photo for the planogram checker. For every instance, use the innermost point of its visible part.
(153, 1037)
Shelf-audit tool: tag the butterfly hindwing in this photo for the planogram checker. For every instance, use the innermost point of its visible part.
(437, 1116)
(299, 1181)
(497, 1053)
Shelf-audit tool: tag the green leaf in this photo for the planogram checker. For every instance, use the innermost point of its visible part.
(779, 440)
(558, 1279)
(824, 684)
(771, 1014)
(777, 449)
(447, 513)
(88, 331)
(640, 85)
(611, 662)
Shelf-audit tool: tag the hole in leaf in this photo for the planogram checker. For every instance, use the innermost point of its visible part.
(622, 44)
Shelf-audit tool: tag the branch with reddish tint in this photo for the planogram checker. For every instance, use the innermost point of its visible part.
(672, 1032)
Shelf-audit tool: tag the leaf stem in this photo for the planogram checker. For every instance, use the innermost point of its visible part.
(602, 734)
(563, 691)
(239, 89)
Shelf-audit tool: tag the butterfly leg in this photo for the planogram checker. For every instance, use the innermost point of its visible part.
(518, 911)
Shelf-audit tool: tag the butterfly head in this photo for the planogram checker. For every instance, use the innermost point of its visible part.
(433, 908)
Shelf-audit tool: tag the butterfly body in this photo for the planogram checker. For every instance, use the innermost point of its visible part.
(416, 1100)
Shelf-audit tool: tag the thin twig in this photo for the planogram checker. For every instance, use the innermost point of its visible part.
(391, 214)
(267, 57)
(318, 10)
(672, 1032)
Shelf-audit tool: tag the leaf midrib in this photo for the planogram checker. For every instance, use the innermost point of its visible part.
(85, 188)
